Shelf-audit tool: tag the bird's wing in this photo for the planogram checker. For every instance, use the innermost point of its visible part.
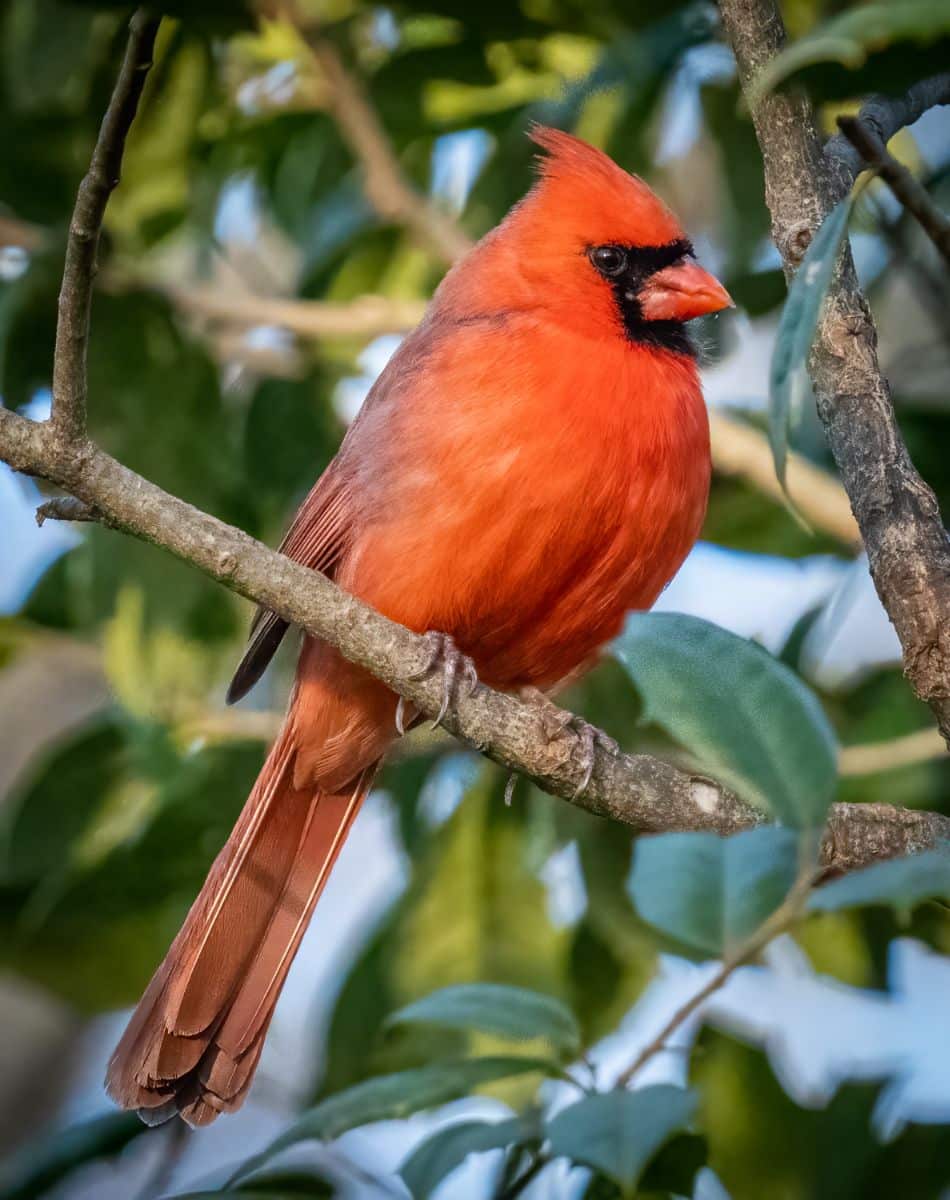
(316, 538)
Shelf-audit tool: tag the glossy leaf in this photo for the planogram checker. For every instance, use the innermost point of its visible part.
(745, 716)
(446, 1150)
(788, 377)
(508, 1012)
(392, 1097)
(710, 892)
(900, 882)
(617, 1133)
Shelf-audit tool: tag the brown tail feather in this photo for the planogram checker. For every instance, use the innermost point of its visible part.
(194, 1041)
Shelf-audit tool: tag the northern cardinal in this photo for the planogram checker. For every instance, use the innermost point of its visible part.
(532, 463)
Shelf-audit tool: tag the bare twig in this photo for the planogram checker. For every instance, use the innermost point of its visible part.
(897, 513)
(778, 922)
(386, 186)
(648, 795)
(908, 190)
(64, 508)
(72, 329)
(885, 116)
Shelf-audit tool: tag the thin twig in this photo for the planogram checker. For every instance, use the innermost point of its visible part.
(778, 922)
(386, 186)
(64, 508)
(908, 190)
(886, 115)
(75, 297)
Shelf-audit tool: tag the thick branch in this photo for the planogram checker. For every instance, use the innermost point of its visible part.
(72, 329)
(884, 116)
(896, 511)
(908, 190)
(644, 793)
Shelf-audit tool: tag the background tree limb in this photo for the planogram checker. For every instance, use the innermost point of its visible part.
(900, 522)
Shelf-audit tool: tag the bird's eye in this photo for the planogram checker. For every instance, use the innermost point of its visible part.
(609, 260)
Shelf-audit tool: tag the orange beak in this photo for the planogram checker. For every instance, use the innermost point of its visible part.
(682, 292)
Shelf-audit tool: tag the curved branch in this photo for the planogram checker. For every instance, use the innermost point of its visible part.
(908, 190)
(72, 328)
(644, 793)
(897, 513)
(884, 116)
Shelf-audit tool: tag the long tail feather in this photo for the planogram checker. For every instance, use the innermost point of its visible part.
(194, 1041)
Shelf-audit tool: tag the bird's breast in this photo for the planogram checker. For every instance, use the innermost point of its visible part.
(535, 489)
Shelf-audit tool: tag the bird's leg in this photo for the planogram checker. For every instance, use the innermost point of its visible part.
(457, 669)
(556, 721)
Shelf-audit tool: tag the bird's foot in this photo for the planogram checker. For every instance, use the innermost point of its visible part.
(558, 721)
(459, 676)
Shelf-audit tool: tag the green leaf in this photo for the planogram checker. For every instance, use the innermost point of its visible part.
(43, 822)
(446, 1150)
(788, 377)
(40, 1166)
(854, 36)
(617, 1133)
(744, 715)
(509, 1012)
(393, 1097)
(900, 882)
(710, 892)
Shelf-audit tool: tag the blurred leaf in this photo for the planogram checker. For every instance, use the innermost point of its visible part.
(112, 918)
(392, 1097)
(618, 1132)
(37, 1168)
(710, 892)
(442, 1153)
(900, 882)
(509, 1012)
(788, 380)
(43, 820)
(876, 36)
(745, 716)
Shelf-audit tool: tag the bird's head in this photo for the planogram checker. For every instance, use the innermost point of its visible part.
(597, 249)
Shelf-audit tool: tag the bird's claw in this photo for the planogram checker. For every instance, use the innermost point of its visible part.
(458, 671)
(556, 721)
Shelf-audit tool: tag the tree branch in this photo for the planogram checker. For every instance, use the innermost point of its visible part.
(782, 919)
(644, 793)
(908, 190)
(72, 329)
(367, 316)
(386, 186)
(896, 511)
(884, 116)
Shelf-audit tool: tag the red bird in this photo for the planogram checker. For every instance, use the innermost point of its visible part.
(533, 463)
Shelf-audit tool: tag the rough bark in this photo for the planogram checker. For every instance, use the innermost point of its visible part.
(897, 513)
